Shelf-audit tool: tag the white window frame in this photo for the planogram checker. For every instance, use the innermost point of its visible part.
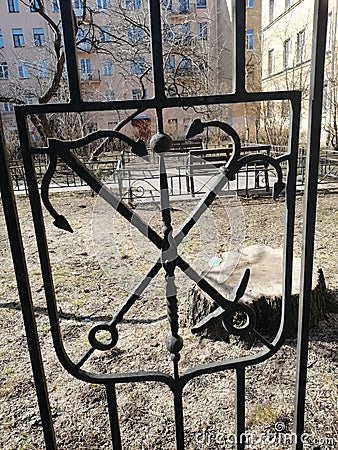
(23, 71)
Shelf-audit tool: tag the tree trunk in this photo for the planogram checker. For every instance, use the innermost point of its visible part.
(263, 294)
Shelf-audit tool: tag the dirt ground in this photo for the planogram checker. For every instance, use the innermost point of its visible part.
(93, 269)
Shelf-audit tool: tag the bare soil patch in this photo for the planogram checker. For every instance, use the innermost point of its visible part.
(92, 277)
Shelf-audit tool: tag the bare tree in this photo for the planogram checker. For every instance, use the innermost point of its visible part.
(118, 35)
(286, 61)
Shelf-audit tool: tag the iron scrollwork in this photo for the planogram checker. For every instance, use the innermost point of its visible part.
(169, 259)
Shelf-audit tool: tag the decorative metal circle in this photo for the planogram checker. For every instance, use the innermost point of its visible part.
(99, 344)
(239, 320)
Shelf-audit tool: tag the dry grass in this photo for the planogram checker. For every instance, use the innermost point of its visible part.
(90, 288)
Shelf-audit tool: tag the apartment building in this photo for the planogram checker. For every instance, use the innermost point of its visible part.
(287, 30)
(114, 56)
(26, 61)
(246, 117)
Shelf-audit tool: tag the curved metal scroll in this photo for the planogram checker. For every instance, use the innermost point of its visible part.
(62, 147)
(169, 260)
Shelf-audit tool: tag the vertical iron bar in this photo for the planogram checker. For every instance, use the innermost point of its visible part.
(290, 200)
(34, 199)
(19, 262)
(240, 407)
(67, 16)
(310, 203)
(113, 416)
(179, 427)
(157, 55)
(239, 13)
(157, 49)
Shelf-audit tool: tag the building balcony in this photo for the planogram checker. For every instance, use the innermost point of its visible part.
(94, 77)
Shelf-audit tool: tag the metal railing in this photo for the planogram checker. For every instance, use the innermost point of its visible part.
(328, 164)
(131, 176)
(169, 260)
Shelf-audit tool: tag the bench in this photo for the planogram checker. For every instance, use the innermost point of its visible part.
(187, 145)
(206, 162)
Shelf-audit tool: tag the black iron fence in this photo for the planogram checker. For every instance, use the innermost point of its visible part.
(236, 316)
(133, 179)
(328, 164)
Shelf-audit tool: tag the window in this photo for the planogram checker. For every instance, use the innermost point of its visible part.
(271, 10)
(172, 125)
(137, 66)
(43, 69)
(185, 66)
(55, 5)
(168, 32)
(18, 39)
(1, 40)
(202, 31)
(185, 32)
(3, 70)
(39, 36)
(7, 107)
(23, 71)
(78, 5)
(201, 3)
(133, 4)
(34, 5)
(110, 97)
(167, 4)
(13, 5)
(300, 46)
(105, 36)
(250, 39)
(249, 3)
(107, 66)
(102, 4)
(86, 68)
(184, 6)
(286, 53)
(83, 41)
(271, 61)
(135, 34)
(170, 64)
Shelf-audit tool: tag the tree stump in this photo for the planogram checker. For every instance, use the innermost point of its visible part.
(263, 293)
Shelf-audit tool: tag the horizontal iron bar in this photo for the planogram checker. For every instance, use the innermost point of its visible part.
(153, 103)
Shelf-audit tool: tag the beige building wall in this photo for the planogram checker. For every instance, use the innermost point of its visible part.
(287, 29)
(107, 75)
(25, 70)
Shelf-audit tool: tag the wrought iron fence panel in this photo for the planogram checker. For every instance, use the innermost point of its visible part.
(169, 260)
